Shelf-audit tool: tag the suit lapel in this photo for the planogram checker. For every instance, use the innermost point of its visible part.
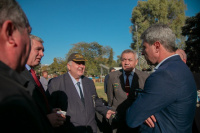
(121, 77)
(72, 89)
(86, 93)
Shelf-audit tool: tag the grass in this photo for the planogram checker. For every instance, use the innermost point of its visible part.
(100, 90)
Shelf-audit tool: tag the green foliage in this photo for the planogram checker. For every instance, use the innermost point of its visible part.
(119, 61)
(58, 66)
(146, 13)
(110, 59)
(192, 31)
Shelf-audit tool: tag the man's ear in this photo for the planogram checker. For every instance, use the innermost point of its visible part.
(157, 45)
(136, 61)
(68, 67)
(7, 31)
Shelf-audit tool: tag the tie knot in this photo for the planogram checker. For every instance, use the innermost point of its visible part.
(32, 71)
(78, 83)
(127, 74)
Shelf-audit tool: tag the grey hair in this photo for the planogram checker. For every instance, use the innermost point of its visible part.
(161, 33)
(11, 10)
(36, 38)
(70, 63)
(130, 51)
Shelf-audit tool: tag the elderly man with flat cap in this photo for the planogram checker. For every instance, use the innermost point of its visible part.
(76, 94)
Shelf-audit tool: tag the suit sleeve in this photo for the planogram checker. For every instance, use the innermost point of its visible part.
(158, 93)
(99, 107)
(110, 91)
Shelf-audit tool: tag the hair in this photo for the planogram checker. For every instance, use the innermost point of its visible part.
(44, 72)
(11, 10)
(70, 63)
(161, 33)
(36, 38)
(112, 68)
(130, 51)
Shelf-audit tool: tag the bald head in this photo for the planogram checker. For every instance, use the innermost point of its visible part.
(182, 54)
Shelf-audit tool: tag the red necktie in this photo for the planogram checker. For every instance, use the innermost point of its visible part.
(127, 86)
(41, 88)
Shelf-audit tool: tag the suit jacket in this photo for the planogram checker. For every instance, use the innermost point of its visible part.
(38, 97)
(117, 97)
(63, 94)
(106, 83)
(18, 111)
(169, 95)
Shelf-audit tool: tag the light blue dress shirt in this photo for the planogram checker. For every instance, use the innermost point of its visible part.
(76, 86)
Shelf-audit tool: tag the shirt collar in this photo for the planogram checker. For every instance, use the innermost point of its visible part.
(28, 67)
(130, 73)
(163, 61)
(74, 80)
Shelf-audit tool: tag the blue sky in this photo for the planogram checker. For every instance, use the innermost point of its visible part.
(64, 22)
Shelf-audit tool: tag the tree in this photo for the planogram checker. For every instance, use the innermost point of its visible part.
(110, 59)
(146, 13)
(94, 53)
(58, 66)
(192, 31)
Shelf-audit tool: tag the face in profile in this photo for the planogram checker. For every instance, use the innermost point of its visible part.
(36, 53)
(129, 61)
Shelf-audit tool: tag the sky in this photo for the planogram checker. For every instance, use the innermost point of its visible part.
(62, 23)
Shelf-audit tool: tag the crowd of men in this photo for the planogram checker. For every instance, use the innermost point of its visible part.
(161, 102)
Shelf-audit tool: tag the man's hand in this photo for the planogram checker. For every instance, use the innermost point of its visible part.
(54, 110)
(150, 121)
(55, 119)
(109, 113)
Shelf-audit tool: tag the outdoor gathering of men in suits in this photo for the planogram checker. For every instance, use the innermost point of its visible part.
(169, 92)
(76, 94)
(162, 102)
(35, 87)
(120, 94)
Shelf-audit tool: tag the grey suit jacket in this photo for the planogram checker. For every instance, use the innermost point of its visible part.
(117, 97)
(63, 94)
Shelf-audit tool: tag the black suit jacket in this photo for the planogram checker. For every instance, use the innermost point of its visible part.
(18, 111)
(38, 97)
(63, 94)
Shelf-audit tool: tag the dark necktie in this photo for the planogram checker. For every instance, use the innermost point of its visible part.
(127, 86)
(41, 88)
(81, 93)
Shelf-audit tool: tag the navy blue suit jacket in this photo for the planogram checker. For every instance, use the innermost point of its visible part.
(169, 95)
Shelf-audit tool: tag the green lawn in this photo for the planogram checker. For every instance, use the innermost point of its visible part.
(100, 90)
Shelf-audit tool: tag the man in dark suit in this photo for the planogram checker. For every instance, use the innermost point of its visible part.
(76, 94)
(35, 87)
(120, 95)
(169, 92)
(18, 111)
